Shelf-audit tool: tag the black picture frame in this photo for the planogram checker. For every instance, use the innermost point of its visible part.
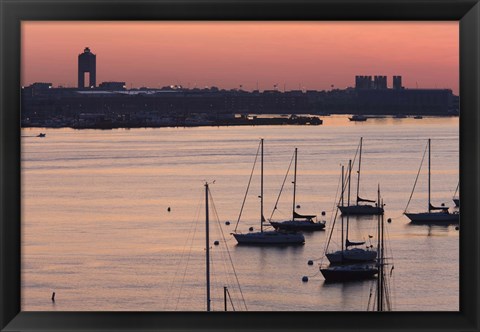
(12, 12)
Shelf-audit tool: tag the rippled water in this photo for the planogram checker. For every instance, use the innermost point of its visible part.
(96, 230)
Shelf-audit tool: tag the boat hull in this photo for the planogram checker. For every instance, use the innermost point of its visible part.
(456, 201)
(270, 238)
(349, 273)
(437, 217)
(361, 210)
(357, 118)
(298, 225)
(351, 256)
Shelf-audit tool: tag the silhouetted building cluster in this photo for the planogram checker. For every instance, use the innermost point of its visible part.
(378, 82)
(111, 104)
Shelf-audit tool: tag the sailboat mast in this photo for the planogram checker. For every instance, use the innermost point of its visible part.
(225, 298)
(343, 184)
(294, 185)
(379, 258)
(429, 204)
(261, 187)
(348, 197)
(207, 241)
(382, 263)
(359, 164)
(343, 189)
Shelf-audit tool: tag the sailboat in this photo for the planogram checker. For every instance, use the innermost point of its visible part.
(264, 237)
(358, 271)
(298, 222)
(347, 254)
(208, 260)
(456, 199)
(361, 209)
(434, 213)
(382, 301)
(207, 246)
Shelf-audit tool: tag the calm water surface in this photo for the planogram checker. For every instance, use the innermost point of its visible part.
(96, 230)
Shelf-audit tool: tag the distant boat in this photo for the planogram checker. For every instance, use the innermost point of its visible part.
(358, 117)
(456, 199)
(298, 222)
(399, 116)
(360, 209)
(434, 214)
(273, 237)
(418, 117)
(345, 254)
(41, 135)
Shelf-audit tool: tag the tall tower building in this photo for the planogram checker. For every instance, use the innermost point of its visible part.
(363, 82)
(380, 82)
(397, 82)
(87, 64)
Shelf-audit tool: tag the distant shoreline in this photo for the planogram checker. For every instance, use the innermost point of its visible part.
(254, 121)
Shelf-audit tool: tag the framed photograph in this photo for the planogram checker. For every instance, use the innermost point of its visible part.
(285, 165)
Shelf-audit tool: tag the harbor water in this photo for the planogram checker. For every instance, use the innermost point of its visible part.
(114, 220)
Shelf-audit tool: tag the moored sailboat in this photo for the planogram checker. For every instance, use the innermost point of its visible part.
(298, 222)
(264, 237)
(349, 252)
(434, 214)
(382, 300)
(364, 208)
(358, 271)
(208, 259)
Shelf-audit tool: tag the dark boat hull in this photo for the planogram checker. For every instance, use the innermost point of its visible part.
(427, 217)
(269, 238)
(298, 226)
(361, 210)
(336, 274)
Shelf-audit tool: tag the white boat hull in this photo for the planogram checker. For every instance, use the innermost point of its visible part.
(433, 217)
(270, 238)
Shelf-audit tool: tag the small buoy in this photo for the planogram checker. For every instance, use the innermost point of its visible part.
(250, 229)
(305, 279)
(310, 262)
(168, 209)
(443, 204)
(298, 206)
(227, 223)
(216, 243)
(323, 213)
(389, 220)
(457, 228)
(53, 297)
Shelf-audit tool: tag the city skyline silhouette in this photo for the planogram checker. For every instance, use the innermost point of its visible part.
(246, 55)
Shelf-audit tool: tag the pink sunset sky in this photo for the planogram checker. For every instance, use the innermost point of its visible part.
(309, 55)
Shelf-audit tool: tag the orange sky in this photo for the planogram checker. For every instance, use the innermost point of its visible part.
(312, 55)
